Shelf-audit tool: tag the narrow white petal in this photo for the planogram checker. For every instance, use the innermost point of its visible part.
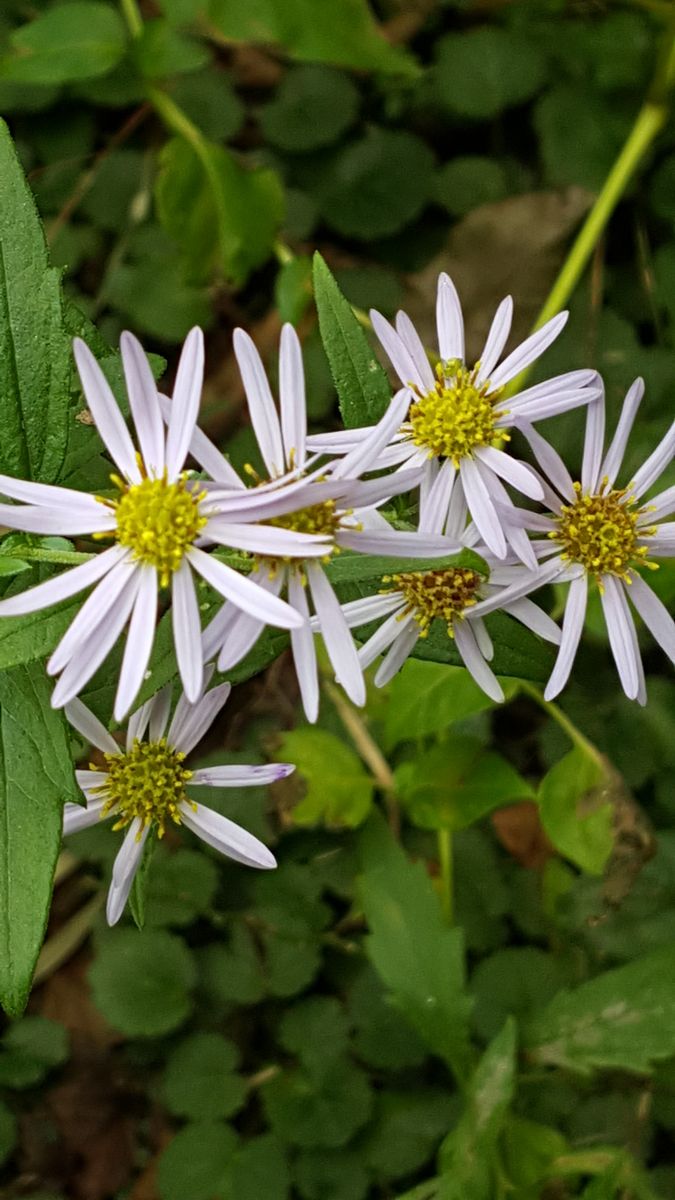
(241, 776)
(449, 320)
(474, 662)
(101, 601)
(660, 506)
(614, 457)
(370, 608)
(594, 443)
(91, 781)
(269, 539)
(455, 526)
(90, 654)
(77, 519)
(386, 635)
(364, 456)
(364, 493)
(399, 542)
(521, 545)
(527, 581)
(336, 635)
(43, 595)
(159, 715)
(412, 340)
(230, 839)
(573, 624)
(144, 404)
(550, 462)
(214, 633)
(496, 339)
(618, 621)
(483, 639)
(548, 406)
(83, 720)
(241, 636)
(126, 865)
(76, 818)
(529, 350)
(191, 721)
(139, 720)
(396, 350)
(185, 404)
(399, 651)
(534, 617)
(187, 631)
(247, 595)
(204, 452)
(292, 397)
(568, 381)
(337, 441)
(105, 411)
(304, 650)
(517, 473)
(46, 494)
(482, 508)
(655, 464)
(261, 405)
(435, 504)
(140, 639)
(654, 614)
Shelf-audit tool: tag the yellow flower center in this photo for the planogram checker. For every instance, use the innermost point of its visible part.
(457, 415)
(600, 532)
(158, 521)
(317, 519)
(147, 782)
(430, 594)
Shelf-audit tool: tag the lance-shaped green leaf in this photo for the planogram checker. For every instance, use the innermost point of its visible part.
(467, 1155)
(624, 1019)
(362, 386)
(419, 958)
(35, 360)
(36, 778)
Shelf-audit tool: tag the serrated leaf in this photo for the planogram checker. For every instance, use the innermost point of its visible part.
(362, 385)
(73, 41)
(35, 359)
(36, 779)
(419, 958)
(623, 1019)
(340, 791)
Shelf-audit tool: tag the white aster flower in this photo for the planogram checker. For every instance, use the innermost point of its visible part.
(158, 522)
(414, 599)
(142, 787)
(598, 532)
(335, 504)
(458, 412)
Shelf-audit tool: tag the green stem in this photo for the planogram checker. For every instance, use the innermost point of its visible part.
(566, 724)
(446, 865)
(132, 16)
(68, 558)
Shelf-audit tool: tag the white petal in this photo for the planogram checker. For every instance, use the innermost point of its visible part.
(386, 635)
(187, 631)
(496, 339)
(205, 453)
(94, 610)
(140, 639)
(654, 614)
(660, 506)
(143, 402)
(548, 406)
(483, 639)
(618, 621)
(526, 582)
(614, 457)
(482, 508)
(517, 473)
(139, 720)
(412, 340)
(531, 615)
(159, 715)
(83, 720)
(77, 519)
(435, 504)
(398, 353)
(337, 638)
(126, 865)
(304, 650)
(655, 464)
(449, 320)
(529, 350)
(399, 651)
(228, 838)
(364, 493)
(185, 404)
(91, 781)
(191, 721)
(364, 456)
(474, 662)
(76, 818)
(243, 592)
(292, 397)
(241, 636)
(594, 443)
(399, 542)
(46, 494)
(241, 776)
(105, 411)
(550, 462)
(90, 654)
(261, 405)
(370, 608)
(270, 540)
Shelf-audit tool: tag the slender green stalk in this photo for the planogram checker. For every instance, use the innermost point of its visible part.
(566, 724)
(132, 16)
(68, 558)
(446, 865)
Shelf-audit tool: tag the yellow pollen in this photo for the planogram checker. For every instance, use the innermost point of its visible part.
(442, 594)
(158, 521)
(317, 519)
(600, 532)
(147, 782)
(457, 415)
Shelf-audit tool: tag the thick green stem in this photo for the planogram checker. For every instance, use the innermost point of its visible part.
(446, 865)
(566, 724)
(132, 16)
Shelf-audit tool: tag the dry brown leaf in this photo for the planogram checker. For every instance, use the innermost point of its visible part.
(520, 831)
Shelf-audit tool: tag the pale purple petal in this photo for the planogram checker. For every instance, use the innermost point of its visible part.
(83, 720)
(243, 592)
(614, 457)
(43, 595)
(467, 648)
(550, 462)
(548, 406)
(271, 540)
(91, 781)
(46, 494)
(187, 631)
(517, 473)
(230, 839)
(139, 720)
(594, 442)
(185, 404)
(337, 638)
(261, 405)
(204, 452)
(529, 350)
(71, 519)
(398, 353)
(292, 397)
(101, 601)
(143, 402)
(435, 503)
(364, 493)
(618, 621)
(398, 542)
(449, 320)
(125, 867)
(531, 615)
(387, 634)
(91, 653)
(140, 639)
(106, 413)
(304, 650)
(654, 614)
(412, 340)
(527, 582)
(481, 507)
(371, 608)
(337, 441)
(655, 464)
(241, 776)
(76, 818)
(363, 457)
(660, 506)
(496, 339)
(399, 651)
(191, 721)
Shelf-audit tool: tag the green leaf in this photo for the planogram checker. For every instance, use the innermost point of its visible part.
(574, 812)
(335, 31)
(362, 386)
(74, 41)
(223, 217)
(196, 1162)
(209, 99)
(530, 1150)
(312, 108)
(370, 570)
(407, 1127)
(30, 1049)
(514, 981)
(469, 181)
(141, 982)
(258, 1168)
(31, 637)
(340, 791)
(160, 51)
(467, 1156)
(35, 360)
(233, 974)
(293, 289)
(480, 72)
(37, 777)
(382, 1036)
(427, 697)
(200, 1081)
(457, 783)
(420, 960)
(317, 1031)
(7, 1132)
(307, 1110)
(623, 1019)
(331, 1175)
(518, 652)
(375, 186)
(181, 887)
(580, 134)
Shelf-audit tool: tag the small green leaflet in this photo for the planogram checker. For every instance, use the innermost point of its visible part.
(418, 957)
(340, 791)
(624, 1019)
(37, 778)
(362, 386)
(458, 783)
(81, 40)
(575, 812)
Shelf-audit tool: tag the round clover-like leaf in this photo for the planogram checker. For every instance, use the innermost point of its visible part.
(482, 71)
(142, 981)
(200, 1080)
(469, 181)
(312, 108)
(196, 1162)
(318, 1112)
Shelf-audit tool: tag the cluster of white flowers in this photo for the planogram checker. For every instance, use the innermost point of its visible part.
(445, 435)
